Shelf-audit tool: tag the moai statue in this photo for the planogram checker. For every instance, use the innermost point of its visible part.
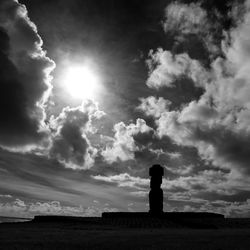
(156, 194)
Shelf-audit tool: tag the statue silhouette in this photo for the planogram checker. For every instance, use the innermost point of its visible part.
(156, 194)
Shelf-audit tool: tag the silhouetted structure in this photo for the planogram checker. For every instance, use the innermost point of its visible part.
(156, 218)
(156, 194)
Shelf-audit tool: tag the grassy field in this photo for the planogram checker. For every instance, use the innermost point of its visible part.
(29, 235)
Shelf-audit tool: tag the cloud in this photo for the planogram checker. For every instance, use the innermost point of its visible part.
(186, 20)
(124, 144)
(208, 180)
(124, 180)
(152, 106)
(5, 196)
(166, 67)
(25, 79)
(182, 188)
(174, 155)
(181, 170)
(233, 209)
(19, 208)
(70, 144)
(229, 209)
(238, 11)
(217, 124)
(203, 181)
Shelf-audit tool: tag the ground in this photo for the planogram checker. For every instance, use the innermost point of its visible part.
(87, 236)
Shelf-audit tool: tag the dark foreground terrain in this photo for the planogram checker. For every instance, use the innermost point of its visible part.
(232, 234)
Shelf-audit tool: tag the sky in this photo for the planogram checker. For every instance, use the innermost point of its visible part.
(93, 93)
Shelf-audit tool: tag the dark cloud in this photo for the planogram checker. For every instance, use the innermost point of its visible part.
(70, 144)
(185, 21)
(197, 27)
(24, 78)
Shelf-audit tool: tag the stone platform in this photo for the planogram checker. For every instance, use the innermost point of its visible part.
(166, 215)
(142, 220)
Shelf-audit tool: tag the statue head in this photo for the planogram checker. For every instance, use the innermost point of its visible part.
(156, 170)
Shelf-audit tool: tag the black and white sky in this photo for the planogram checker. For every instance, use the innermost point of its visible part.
(160, 82)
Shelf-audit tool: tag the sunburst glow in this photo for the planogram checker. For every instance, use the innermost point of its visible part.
(81, 82)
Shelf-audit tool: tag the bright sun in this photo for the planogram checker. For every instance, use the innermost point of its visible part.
(80, 82)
